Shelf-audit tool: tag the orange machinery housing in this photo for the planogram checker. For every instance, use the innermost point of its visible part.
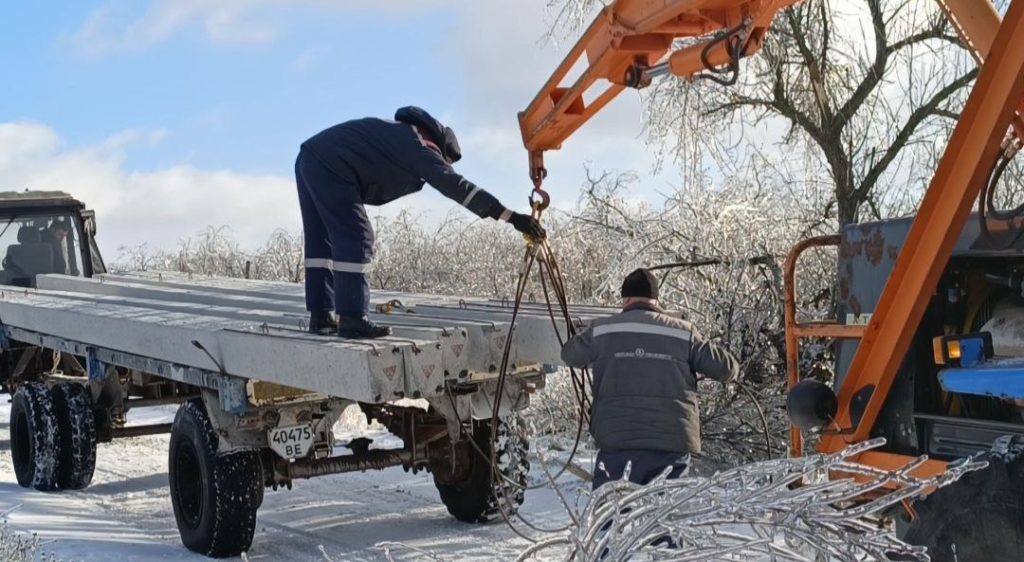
(631, 42)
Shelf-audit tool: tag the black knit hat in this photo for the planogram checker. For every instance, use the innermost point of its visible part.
(641, 283)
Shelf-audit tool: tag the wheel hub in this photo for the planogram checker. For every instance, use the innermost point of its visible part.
(21, 448)
(188, 491)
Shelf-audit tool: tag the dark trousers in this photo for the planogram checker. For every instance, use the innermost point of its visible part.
(338, 238)
(645, 466)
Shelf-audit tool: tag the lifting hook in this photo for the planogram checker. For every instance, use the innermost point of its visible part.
(537, 174)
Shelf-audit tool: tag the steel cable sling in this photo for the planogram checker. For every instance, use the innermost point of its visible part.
(552, 283)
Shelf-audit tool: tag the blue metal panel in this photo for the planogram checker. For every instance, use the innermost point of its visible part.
(98, 370)
(867, 255)
(972, 352)
(1000, 379)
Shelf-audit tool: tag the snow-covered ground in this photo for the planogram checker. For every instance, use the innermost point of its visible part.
(125, 514)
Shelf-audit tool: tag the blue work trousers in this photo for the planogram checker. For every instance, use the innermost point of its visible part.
(645, 465)
(338, 238)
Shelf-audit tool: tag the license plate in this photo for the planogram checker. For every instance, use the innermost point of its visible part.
(291, 442)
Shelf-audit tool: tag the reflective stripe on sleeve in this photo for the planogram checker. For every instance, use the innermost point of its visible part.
(469, 197)
(505, 215)
(640, 328)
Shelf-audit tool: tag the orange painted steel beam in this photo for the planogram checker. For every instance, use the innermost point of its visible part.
(964, 168)
(976, 22)
(626, 37)
(892, 462)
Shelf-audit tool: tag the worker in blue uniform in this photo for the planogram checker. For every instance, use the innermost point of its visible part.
(372, 161)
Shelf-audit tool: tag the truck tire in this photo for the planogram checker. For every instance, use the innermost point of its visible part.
(979, 517)
(77, 422)
(35, 437)
(215, 496)
(471, 491)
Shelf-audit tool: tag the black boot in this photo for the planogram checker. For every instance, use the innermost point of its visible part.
(360, 327)
(322, 323)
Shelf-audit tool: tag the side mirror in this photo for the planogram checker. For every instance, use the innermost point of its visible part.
(811, 405)
(89, 222)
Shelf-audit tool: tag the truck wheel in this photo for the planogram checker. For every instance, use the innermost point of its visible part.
(215, 496)
(73, 405)
(979, 517)
(470, 489)
(35, 437)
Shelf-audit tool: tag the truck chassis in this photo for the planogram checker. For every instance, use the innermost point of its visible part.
(236, 433)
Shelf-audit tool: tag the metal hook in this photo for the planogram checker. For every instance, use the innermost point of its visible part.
(539, 205)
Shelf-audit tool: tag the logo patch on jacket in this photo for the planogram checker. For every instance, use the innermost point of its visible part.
(643, 354)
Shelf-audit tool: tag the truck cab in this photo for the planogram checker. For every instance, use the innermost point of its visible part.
(45, 232)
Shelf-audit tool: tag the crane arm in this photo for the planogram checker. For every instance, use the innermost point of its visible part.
(632, 41)
(977, 22)
(629, 43)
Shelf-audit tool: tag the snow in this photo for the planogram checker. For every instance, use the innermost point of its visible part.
(151, 415)
(125, 514)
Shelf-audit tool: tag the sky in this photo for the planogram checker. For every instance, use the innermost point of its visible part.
(166, 116)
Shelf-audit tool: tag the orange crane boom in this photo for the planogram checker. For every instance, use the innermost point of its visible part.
(977, 22)
(629, 43)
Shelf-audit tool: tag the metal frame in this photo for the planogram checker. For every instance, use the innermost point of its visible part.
(231, 390)
(977, 140)
(795, 331)
(974, 146)
(624, 45)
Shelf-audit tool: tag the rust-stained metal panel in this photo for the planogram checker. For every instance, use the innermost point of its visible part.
(868, 252)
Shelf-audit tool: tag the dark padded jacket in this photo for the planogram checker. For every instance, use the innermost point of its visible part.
(390, 159)
(645, 365)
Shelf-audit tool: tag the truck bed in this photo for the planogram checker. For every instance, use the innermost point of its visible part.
(255, 330)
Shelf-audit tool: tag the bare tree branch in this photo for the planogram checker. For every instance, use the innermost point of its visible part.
(916, 118)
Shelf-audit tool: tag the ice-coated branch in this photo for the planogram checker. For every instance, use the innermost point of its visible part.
(780, 509)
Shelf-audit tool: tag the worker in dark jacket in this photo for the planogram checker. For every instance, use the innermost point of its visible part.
(56, 235)
(372, 161)
(645, 366)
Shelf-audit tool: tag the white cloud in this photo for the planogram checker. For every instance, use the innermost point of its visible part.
(19, 140)
(159, 206)
(309, 59)
(116, 26)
